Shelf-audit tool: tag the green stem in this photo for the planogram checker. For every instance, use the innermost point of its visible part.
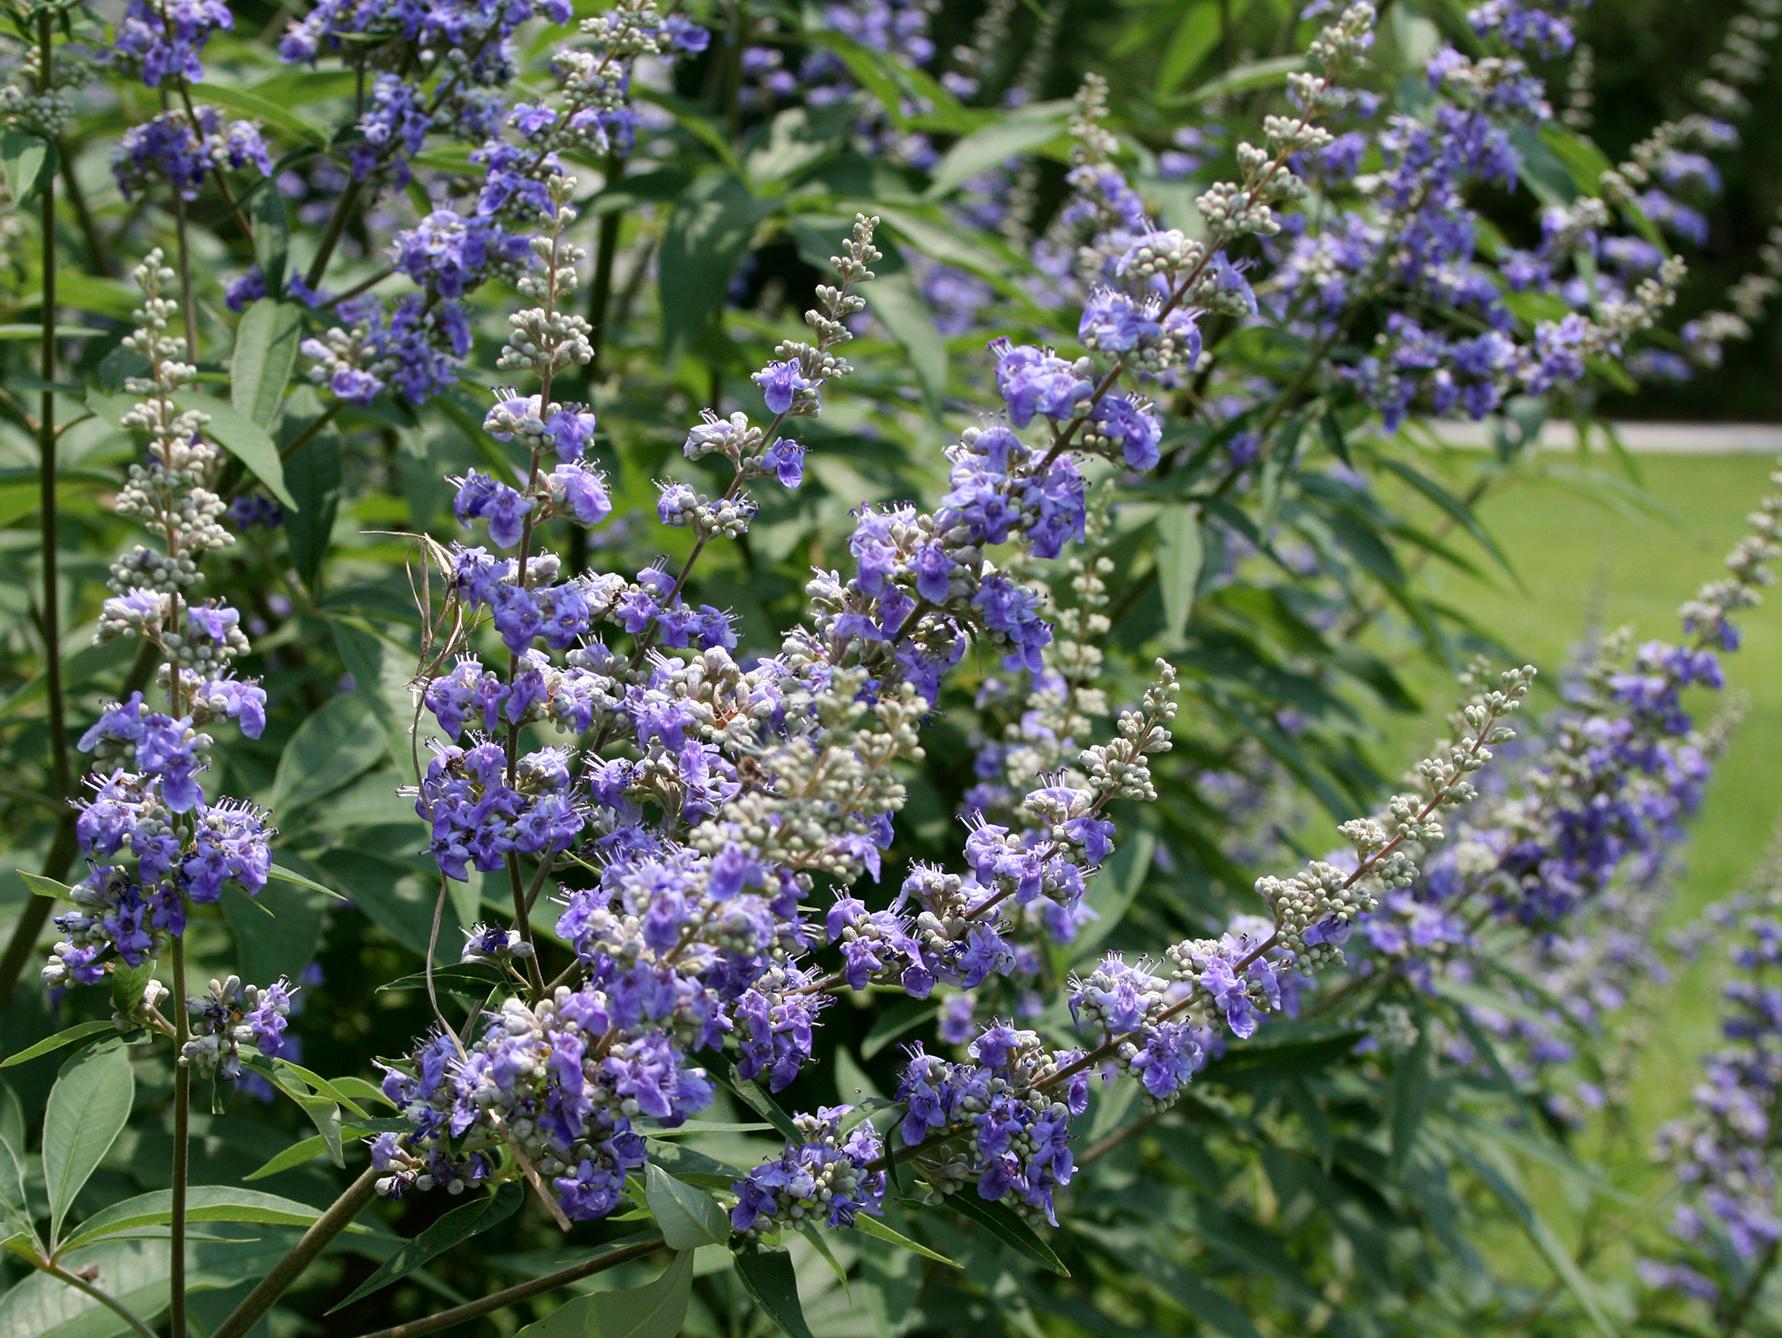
(336, 1219)
(182, 1122)
(308, 434)
(62, 848)
(337, 222)
(459, 1314)
(105, 1299)
(46, 468)
(185, 278)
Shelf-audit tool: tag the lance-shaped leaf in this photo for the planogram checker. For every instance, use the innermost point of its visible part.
(87, 1110)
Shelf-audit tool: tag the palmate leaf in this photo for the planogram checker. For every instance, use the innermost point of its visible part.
(135, 1273)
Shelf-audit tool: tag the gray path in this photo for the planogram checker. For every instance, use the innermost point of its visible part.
(1646, 438)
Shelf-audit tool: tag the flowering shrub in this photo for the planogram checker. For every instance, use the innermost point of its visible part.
(878, 863)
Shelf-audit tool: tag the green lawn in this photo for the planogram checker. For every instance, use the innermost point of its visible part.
(1581, 559)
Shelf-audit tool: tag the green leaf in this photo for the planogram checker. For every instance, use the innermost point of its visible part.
(128, 983)
(272, 235)
(88, 1108)
(751, 1095)
(34, 332)
(1002, 1223)
(473, 980)
(1411, 1080)
(396, 895)
(314, 475)
(314, 1097)
(381, 674)
(327, 750)
(1004, 138)
(453, 1229)
(244, 103)
(695, 1168)
(204, 1203)
(265, 352)
(283, 874)
(687, 1128)
(243, 438)
(1239, 78)
(1498, 1180)
(897, 304)
(706, 237)
(325, 1115)
(872, 1226)
(655, 1311)
(1180, 553)
(905, 1015)
(1452, 506)
(44, 887)
(771, 1280)
(795, 140)
(15, 1206)
(1193, 41)
(67, 1036)
(688, 1217)
(27, 161)
(133, 1273)
(276, 932)
(306, 1150)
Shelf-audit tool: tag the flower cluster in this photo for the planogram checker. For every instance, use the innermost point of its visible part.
(763, 777)
(1018, 1144)
(153, 841)
(415, 344)
(1158, 1025)
(180, 150)
(825, 1176)
(162, 39)
(560, 1084)
(1725, 1231)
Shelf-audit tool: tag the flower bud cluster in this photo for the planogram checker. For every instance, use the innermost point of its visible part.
(231, 1016)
